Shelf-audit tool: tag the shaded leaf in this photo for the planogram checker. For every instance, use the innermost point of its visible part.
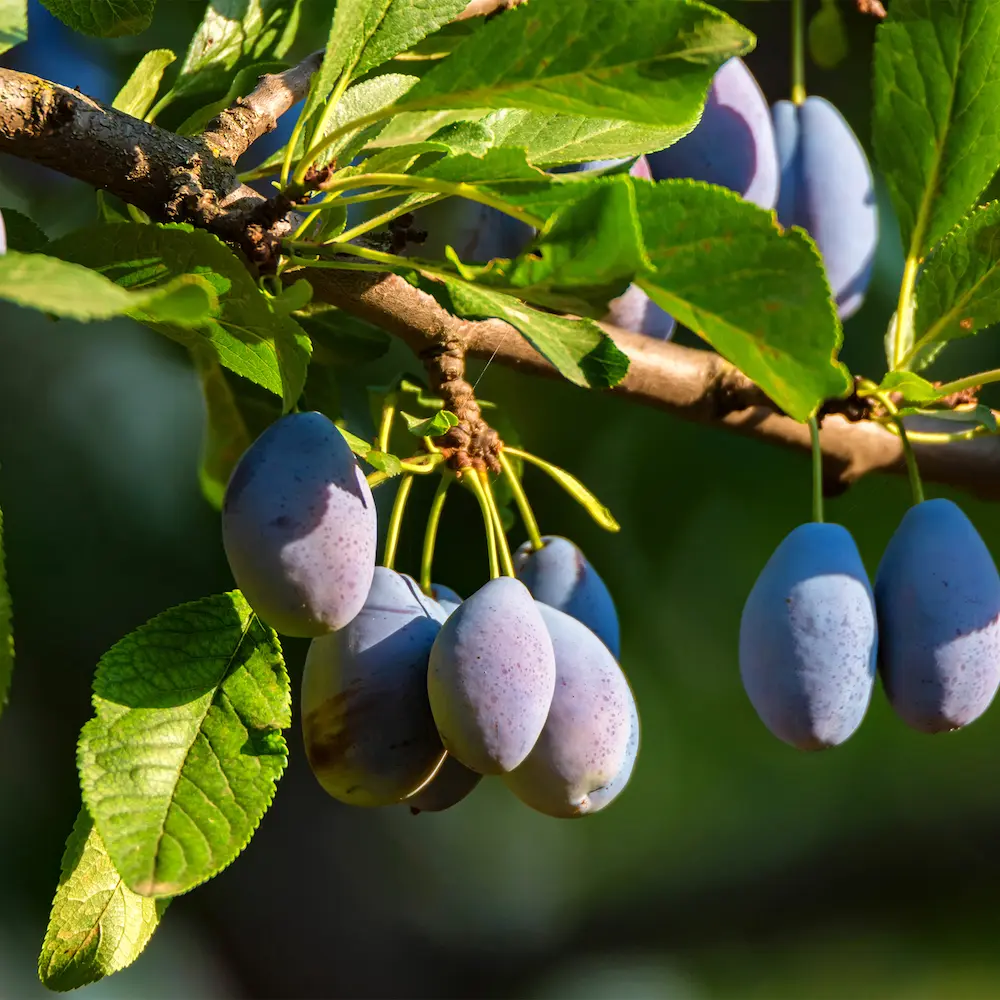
(342, 339)
(13, 23)
(181, 761)
(6, 629)
(23, 234)
(242, 84)
(105, 18)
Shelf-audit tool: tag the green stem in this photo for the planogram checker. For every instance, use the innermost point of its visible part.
(501, 536)
(916, 486)
(934, 437)
(396, 521)
(491, 542)
(798, 53)
(983, 378)
(385, 425)
(390, 261)
(523, 506)
(307, 161)
(430, 533)
(380, 220)
(903, 333)
(342, 265)
(817, 470)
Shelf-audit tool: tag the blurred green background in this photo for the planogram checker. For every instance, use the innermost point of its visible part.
(733, 867)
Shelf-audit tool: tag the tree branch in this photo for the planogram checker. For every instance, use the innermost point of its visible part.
(180, 178)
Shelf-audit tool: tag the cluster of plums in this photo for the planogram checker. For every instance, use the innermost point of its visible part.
(412, 698)
(802, 160)
(814, 633)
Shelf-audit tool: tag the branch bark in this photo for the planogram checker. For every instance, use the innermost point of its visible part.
(178, 177)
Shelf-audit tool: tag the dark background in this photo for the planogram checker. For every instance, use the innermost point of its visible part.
(733, 867)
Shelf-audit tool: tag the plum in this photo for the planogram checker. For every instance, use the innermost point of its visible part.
(299, 527)
(604, 796)
(937, 593)
(446, 597)
(558, 574)
(491, 677)
(477, 232)
(827, 188)
(734, 143)
(808, 638)
(584, 743)
(366, 721)
(3, 236)
(452, 783)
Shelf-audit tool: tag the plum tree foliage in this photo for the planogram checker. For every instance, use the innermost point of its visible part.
(571, 170)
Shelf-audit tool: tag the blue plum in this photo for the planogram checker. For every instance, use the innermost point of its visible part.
(584, 743)
(604, 796)
(733, 145)
(558, 574)
(446, 597)
(937, 593)
(366, 721)
(808, 638)
(452, 783)
(491, 677)
(827, 188)
(299, 527)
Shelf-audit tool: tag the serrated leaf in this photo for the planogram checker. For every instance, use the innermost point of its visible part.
(366, 33)
(13, 23)
(552, 140)
(97, 925)
(757, 294)
(6, 629)
(937, 88)
(913, 387)
(62, 288)
(104, 18)
(644, 61)
(435, 426)
(139, 92)
(226, 436)
(233, 34)
(181, 761)
(383, 461)
(248, 336)
(340, 338)
(578, 348)
(359, 446)
(958, 292)
(23, 234)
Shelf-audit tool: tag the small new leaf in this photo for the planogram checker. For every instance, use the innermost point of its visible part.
(181, 760)
(139, 92)
(382, 461)
(13, 23)
(97, 925)
(435, 426)
(913, 388)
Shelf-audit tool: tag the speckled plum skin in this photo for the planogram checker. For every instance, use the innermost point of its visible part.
(604, 796)
(583, 744)
(452, 783)
(937, 593)
(366, 721)
(733, 145)
(446, 597)
(559, 575)
(491, 678)
(299, 527)
(808, 638)
(827, 188)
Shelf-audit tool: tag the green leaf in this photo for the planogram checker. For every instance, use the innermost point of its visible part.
(913, 387)
(342, 339)
(232, 35)
(359, 446)
(295, 296)
(105, 18)
(435, 426)
(937, 88)
(22, 233)
(958, 292)
(643, 61)
(383, 461)
(6, 629)
(245, 332)
(494, 166)
(61, 288)
(756, 293)
(828, 44)
(181, 761)
(97, 925)
(366, 33)
(13, 23)
(578, 348)
(226, 436)
(139, 92)
(552, 140)
(242, 84)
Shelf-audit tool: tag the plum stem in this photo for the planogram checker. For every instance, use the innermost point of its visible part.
(912, 470)
(430, 532)
(817, 471)
(798, 53)
(506, 562)
(523, 506)
(396, 521)
(491, 542)
(385, 425)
